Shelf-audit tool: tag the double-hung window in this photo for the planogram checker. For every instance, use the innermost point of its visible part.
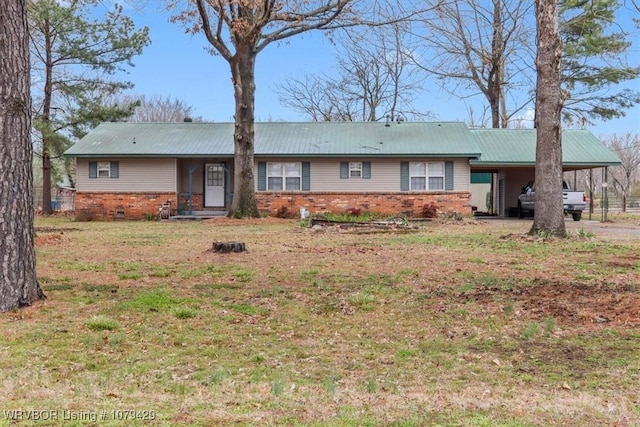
(284, 176)
(355, 169)
(104, 169)
(426, 176)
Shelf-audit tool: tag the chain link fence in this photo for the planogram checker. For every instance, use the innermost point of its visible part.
(62, 199)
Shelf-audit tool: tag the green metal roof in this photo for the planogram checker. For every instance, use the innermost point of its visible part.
(312, 139)
(513, 147)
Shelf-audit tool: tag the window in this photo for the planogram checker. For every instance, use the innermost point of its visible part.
(355, 169)
(104, 169)
(215, 176)
(283, 176)
(426, 176)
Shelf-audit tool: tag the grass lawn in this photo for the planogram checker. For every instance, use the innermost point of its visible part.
(462, 323)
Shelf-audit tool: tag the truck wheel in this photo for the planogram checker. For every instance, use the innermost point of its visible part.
(520, 211)
(576, 216)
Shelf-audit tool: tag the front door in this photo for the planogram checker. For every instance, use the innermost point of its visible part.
(214, 185)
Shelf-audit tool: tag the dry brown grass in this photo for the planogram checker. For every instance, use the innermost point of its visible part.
(461, 323)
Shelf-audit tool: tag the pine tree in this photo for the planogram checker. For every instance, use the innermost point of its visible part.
(73, 58)
(593, 61)
(18, 282)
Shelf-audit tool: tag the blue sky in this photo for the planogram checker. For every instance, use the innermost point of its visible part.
(177, 65)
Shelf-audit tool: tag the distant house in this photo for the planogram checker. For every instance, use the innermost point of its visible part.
(127, 170)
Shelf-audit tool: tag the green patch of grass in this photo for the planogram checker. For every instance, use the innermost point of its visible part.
(101, 323)
(277, 387)
(77, 265)
(529, 331)
(155, 300)
(406, 353)
(372, 385)
(184, 312)
(218, 376)
(130, 275)
(364, 300)
(159, 271)
(331, 385)
(248, 309)
(244, 275)
(116, 339)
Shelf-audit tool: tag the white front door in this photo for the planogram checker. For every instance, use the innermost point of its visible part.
(213, 185)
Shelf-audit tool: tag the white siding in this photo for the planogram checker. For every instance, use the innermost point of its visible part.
(134, 175)
(385, 174)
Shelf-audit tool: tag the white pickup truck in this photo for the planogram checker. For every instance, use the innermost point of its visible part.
(574, 201)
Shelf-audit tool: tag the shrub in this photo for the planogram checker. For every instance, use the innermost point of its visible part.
(354, 211)
(430, 211)
(282, 212)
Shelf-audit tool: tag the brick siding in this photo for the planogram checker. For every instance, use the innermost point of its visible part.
(111, 206)
(397, 203)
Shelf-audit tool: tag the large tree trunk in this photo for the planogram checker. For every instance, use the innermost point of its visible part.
(244, 203)
(495, 80)
(549, 215)
(46, 123)
(18, 283)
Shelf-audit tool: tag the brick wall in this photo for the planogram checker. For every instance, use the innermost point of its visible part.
(409, 204)
(109, 206)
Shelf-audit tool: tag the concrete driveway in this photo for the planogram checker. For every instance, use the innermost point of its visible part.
(627, 229)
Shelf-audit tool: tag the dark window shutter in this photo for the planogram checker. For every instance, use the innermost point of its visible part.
(344, 170)
(404, 176)
(448, 175)
(366, 170)
(93, 169)
(306, 176)
(262, 176)
(115, 169)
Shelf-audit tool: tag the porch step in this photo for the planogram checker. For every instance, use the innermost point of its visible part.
(201, 215)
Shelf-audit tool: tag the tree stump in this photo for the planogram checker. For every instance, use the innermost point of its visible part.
(226, 247)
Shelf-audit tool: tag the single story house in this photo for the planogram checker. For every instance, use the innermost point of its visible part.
(127, 170)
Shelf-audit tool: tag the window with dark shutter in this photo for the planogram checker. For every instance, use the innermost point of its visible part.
(344, 170)
(404, 176)
(262, 176)
(448, 175)
(366, 170)
(114, 169)
(306, 176)
(93, 169)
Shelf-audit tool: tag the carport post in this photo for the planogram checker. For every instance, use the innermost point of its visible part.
(605, 195)
(590, 193)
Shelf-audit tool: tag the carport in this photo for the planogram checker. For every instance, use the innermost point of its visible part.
(509, 156)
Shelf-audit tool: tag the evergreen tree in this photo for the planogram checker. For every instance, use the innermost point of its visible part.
(594, 60)
(73, 58)
(18, 283)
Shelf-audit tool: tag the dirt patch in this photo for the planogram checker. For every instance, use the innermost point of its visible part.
(571, 303)
(47, 239)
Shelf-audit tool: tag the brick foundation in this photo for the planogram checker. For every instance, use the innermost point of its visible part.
(109, 206)
(408, 204)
